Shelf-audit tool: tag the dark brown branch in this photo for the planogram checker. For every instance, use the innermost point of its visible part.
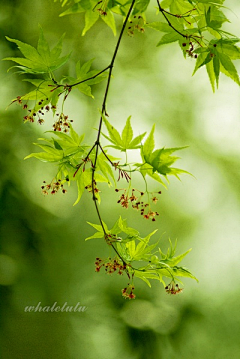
(164, 12)
(97, 143)
(169, 23)
(107, 88)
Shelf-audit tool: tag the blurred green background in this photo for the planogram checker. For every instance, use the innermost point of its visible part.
(44, 257)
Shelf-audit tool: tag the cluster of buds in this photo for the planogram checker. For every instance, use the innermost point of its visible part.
(112, 238)
(128, 292)
(137, 203)
(212, 54)
(111, 265)
(89, 187)
(173, 288)
(84, 162)
(53, 187)
(190, 51)
(121, 172)
(62, 123)
(66, 89)
(137, 24)
(102, 9)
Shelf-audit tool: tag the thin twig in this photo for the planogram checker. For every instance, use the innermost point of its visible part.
(90, 78)
(77, 83)
(85, 159)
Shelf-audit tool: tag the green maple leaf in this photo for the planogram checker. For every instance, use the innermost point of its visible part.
(38, 60)
(160, 160)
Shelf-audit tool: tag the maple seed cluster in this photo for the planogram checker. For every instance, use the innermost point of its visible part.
(52, 187)
(173, 288)
(62, 123)
(128, 292)
(137, 203)
(136, 24)
(32, 113)
(111, 265)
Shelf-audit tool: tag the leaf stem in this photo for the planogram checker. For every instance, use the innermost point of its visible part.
(106, 155)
